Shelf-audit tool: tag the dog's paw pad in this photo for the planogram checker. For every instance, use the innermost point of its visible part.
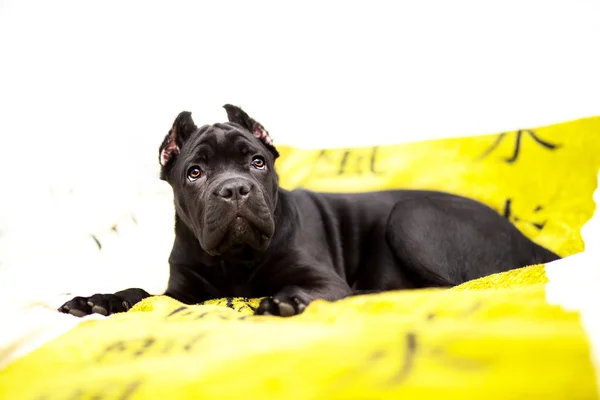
(99, 310)
(78, 313)
(281, 305)
(103, 304)
(77, 306)
(286, 310)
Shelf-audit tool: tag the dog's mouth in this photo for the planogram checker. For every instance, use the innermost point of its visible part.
(240, 235)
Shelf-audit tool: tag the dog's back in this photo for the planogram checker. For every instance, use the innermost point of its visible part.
(398, 239)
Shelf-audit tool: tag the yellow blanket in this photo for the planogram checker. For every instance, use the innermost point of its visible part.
(496, 337)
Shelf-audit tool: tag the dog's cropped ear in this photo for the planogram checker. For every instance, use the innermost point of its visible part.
(239, 116)
(182, 129)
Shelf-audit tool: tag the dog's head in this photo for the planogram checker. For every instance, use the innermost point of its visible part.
(223, 180)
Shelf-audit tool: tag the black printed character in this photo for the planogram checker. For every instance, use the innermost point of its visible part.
(352, 162)
(517, 150)
(510, 216)
(414, 349)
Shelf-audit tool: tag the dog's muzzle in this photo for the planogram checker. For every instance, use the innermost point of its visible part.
(236, 215)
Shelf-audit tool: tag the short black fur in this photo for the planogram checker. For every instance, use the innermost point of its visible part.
(237, 233)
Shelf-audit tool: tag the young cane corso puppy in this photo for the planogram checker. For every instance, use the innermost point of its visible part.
(239, 234)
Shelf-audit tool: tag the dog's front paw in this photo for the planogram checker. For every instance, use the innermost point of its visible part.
(104, 304)
(284, 305)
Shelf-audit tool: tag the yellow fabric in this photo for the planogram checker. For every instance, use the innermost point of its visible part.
(496, 337)
(551, 187)
(468, 342)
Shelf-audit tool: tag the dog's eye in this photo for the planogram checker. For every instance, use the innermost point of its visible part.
(258, 162)
(194, 173)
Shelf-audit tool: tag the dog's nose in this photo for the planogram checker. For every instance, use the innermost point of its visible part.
(234, 190)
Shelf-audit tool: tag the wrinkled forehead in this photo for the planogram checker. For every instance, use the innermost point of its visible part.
(221, 136)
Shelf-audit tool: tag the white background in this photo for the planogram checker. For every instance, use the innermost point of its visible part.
(89, 89)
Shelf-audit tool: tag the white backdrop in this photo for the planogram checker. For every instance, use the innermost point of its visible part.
(89, 89)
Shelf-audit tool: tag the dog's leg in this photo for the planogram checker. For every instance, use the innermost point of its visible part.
(445, 241)
(104, 304)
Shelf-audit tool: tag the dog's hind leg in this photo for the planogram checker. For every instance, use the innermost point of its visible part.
(444, 240)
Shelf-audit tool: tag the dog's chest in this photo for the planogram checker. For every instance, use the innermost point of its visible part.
(242, 290)
(236, 281)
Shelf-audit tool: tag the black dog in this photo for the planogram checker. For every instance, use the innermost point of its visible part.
(239, 234)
